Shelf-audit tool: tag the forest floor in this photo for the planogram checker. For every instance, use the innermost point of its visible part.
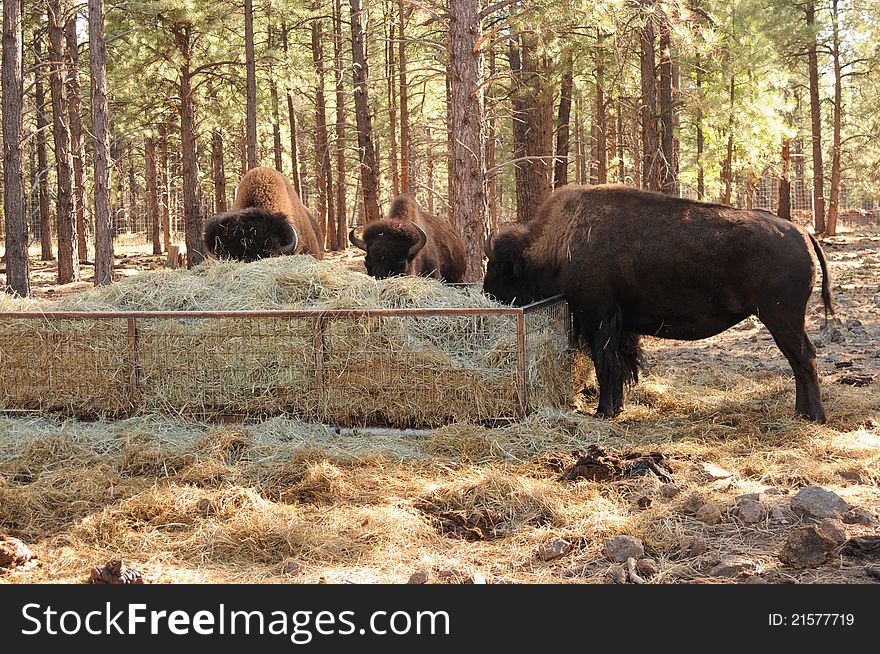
(284, 501)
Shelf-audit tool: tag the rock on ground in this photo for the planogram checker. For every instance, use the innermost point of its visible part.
(13, 553)
(816, 502)
(750, 511)
(620, 548)
(807, 547)
(731, 565)
(554, 549)
(709, 513)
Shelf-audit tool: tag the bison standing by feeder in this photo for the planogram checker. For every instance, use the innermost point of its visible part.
(631, 262)
(268, 219)
(412, 242)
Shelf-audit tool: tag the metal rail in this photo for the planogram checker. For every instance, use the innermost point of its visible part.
(279, 313)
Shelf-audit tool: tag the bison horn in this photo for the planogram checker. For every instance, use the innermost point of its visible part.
(418, 245)
(357, 242)
(489, 245)
(290, 248)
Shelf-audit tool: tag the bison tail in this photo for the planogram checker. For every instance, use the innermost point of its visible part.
(826, 277)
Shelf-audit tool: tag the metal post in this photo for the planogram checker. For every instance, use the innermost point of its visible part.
(521, 365)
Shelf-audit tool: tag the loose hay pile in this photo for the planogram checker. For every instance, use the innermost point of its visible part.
(407, 371)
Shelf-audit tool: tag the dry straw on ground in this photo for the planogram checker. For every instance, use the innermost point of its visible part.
(400, 371)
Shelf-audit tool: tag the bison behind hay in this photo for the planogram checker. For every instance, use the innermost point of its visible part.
(412, 242)
(268, 219)
(634, 263)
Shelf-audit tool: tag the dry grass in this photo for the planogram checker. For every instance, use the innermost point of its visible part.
(399, 371)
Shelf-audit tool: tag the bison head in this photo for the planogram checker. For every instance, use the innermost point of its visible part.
(390, 246)
(250, 234)
(507, 278)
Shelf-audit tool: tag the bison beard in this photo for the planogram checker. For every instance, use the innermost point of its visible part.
(634, 263)
(267, 220)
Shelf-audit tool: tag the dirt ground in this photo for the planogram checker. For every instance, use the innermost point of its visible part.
(286, 502)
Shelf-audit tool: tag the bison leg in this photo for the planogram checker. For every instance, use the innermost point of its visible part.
(792, 340)
(616, 356)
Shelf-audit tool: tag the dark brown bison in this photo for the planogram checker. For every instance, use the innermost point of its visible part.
(412, 242)
(267, 219)
(631, 262)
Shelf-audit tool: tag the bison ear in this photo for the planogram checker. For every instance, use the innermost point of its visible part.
(357, 242)
(418, 245)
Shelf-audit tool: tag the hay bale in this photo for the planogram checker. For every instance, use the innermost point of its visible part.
(400, 371)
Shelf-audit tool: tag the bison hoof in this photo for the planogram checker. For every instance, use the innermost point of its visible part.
(606, 415)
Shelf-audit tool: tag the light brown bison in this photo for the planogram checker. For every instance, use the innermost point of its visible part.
(410, 241)
(267, 219)
(631, 262)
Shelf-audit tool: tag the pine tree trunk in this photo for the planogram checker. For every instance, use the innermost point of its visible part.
(563, 117)
(291, 119)
(834, 199)
(76, 137)
(153, 214)
(243, 147)
(68, 259)
(621, 143)
(323, 169)
(134, 222)
(340, 241)
(406, 161)
(273, 95)
(360, 72)
(251, 65)
(532, 127)
(701, 172)
(192, 215)
(727, 169)
(14, 210)
(600, 140)
(491, 146)
(101, 146)
(647, 109)
(667, 111)
(816, 126)
(42, 158)
(466, 160)
(390, 68)
(579, 177)
(219, 172)
(783, 207)
(164, 186)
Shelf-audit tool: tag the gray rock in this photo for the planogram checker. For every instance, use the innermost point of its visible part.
(807, 547)
(772, 491)
(859, 516)
(554, 549)
(750, 511)
(710, 471)
(833, 529)
(873, 571)
(647, 567)
(710, 514)
(816, 502)
(754, 497)
(732, 565)
(617, 574)
(420, 577)
(691, 546)
(669, 490)
(620, 548)
(778, 516)
(692, 503)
